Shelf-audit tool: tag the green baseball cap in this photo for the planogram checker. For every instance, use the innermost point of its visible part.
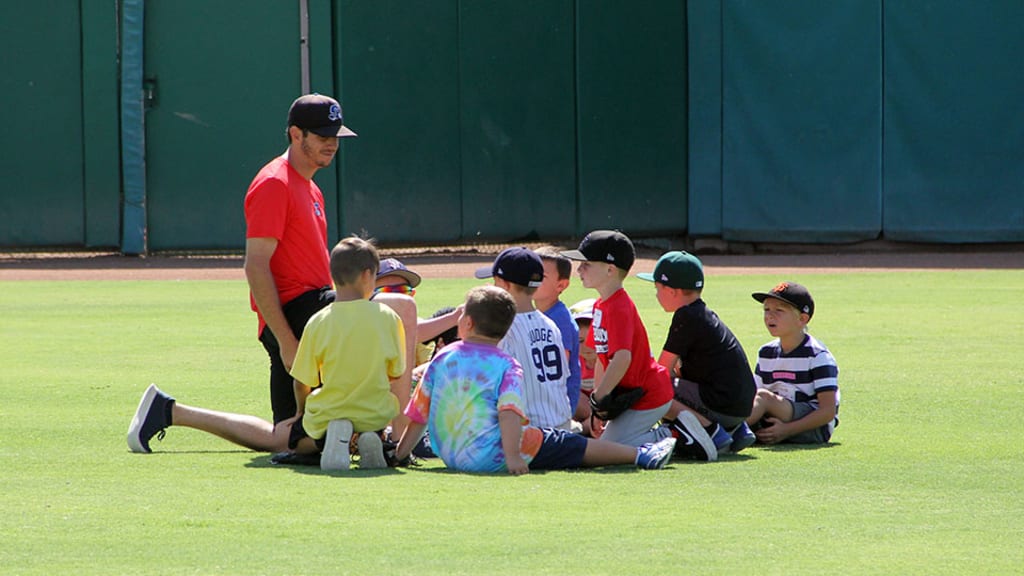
(677, 269)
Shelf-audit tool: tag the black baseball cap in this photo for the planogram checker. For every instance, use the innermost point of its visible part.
(608, 246)
(394, 267)
(791, 293)
(517, 265)
(320, 115)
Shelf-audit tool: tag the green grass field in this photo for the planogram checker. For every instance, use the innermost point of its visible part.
(925, 475)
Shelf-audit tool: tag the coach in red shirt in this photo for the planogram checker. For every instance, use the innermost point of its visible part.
(286, 252)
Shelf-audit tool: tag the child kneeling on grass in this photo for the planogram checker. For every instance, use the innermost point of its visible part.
(352, 351)
(470, 400)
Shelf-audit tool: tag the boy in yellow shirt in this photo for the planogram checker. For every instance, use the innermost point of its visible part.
(348, 357)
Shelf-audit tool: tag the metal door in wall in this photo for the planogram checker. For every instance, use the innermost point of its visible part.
(219, 77)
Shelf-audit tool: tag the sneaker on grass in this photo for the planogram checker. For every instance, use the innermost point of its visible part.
(151, 418)
(742, 437)
(371, 452)
(654, 455)
(693, 441)
(721, 438)
(336, 445)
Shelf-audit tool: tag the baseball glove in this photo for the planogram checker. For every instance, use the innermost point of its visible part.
(614, 404)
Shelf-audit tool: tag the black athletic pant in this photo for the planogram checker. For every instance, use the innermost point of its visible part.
(298, 311)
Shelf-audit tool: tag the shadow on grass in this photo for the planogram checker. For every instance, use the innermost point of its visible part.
(431, 466)
(797, 447)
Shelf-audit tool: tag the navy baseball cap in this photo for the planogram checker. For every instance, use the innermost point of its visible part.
(677, 270)
(791, 293)
(320, 115)
(394, 267)
(517, 265)
(608, 246)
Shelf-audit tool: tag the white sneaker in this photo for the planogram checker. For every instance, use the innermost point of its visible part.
(371, 452)
(335, 455)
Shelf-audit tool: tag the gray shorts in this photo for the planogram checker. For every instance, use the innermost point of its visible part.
(819, 435)
(688, 393)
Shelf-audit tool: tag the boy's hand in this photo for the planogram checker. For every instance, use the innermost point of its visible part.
(774, 432)
(516, 465)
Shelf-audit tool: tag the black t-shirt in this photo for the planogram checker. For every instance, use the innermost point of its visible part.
(711, 356)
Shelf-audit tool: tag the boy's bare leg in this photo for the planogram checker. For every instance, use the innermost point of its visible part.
(768, 403)
(605, 453)
(242, 429)
(678, 407)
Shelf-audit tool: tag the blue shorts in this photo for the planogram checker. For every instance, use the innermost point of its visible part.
(561, 449)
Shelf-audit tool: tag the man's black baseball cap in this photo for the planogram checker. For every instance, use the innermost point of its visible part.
(320, 115)
(608, 246)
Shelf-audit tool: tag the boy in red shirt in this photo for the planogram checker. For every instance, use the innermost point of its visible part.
(623, 350)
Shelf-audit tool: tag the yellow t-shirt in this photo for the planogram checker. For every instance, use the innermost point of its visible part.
(353, 348)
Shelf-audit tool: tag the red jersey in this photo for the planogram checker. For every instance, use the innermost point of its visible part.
(283, 205)
(617, 326)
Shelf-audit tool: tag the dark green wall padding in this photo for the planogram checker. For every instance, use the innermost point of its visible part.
(746, 120)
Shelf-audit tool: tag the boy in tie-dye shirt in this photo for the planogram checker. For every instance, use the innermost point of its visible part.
(469, 398)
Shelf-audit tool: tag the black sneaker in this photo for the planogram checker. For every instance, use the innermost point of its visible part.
(423, 448)
(151, 418)
(693, 442)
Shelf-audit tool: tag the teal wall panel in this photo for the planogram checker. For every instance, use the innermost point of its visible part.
(226, 72)
(801, 120)
(704, 96)
(954, 121)
(42, 200)
(101, 160)
(632, 99)
(517, 118)
(399, 79)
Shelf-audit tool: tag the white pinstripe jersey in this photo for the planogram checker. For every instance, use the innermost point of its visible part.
(534, 340)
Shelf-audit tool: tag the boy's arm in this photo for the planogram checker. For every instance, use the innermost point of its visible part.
(511, 425)
(410, 437)
(605, 380)
(301, 393)
(670, 361)
(780, 430)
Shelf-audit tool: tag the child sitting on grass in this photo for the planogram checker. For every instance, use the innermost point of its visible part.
(470, 400)
(797, 399)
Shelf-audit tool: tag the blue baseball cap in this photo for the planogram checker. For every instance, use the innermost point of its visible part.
(394, 267)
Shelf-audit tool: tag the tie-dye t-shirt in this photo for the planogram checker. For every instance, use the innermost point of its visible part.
(459, 397)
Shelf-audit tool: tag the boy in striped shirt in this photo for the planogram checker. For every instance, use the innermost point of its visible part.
(797, 399)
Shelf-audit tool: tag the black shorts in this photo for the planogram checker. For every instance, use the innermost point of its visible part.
(298, 433)
(298, 311)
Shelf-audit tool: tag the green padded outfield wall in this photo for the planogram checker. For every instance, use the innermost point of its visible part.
(223, 74)
(43, 199)
(517, 118)
(801, 120)
(399, 83)
(631, 84)
(954, 121)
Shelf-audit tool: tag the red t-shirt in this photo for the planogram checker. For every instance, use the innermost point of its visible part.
(283, 205)
(617, 326)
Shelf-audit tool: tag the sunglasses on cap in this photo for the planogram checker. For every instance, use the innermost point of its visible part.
(396, 289)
